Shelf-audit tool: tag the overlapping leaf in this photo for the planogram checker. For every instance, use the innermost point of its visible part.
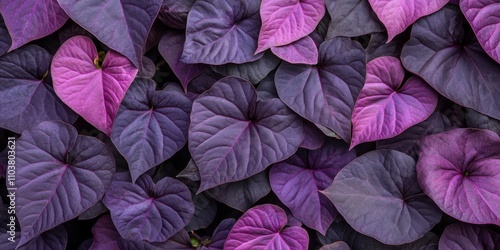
(302, 51)
(105, 234)
(220, 234)
(465, 236)
(252, 71)
(5, 40)
(174, 13)
(54, 239)
(352, 18)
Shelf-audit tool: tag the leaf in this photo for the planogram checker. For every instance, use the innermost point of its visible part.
(378, 45)
(465, 236)
(263, 227)
(233, 135)
(93, 212)
(298, 180)
(302, 51)
(252, 71)
(174, 13)
(148, 211)
(453, 63)
(54, 239)
(180, 241)
(92, 90)
(222, 31)
(459, 170)
(220, 234)
(385, 107)
(5, 40)
(397, 15)
(483, 17)
(394, 210)
(313, 138)
(474, 119)
(205, 210)
(171, 46)
(29, 20)
(150, 125)
(105, 234)
(351, 18)
(148, 68)
(26, 98)
(59, 175)
(284, 22)
(132, 19)
(339, 245)
(325, 93)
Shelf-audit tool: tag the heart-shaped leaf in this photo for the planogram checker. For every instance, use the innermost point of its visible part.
(123, 25)
(351, 18)
(54, 239)
(302, 51)
(150, 125)
(465, 236)
(26, 98)
(298, 180)
(459, 170)
(222, 31)
(91, 85)
(148, 211)
(233, 135)
(397, 15)
(325, 93)
(284, 22)
(263, 227)
(220, 234)
(384, 108)
(105, 234)
(59, 175)
(28, 20)
(483, 17)
(453, 63)
(313, 136)
(394, 210)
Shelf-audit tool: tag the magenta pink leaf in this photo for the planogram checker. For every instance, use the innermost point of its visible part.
(302, 51)
(28, 20)
(397, 15)
(460, 235)
(459, 170)
(384, 108)
(483, 17)
(286, 21)
(92, 88)
(263, 227)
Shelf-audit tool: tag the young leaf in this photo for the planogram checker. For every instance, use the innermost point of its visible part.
(465, 236)
(91, 85)
(459, 170)
(60, 174)
(302, 51)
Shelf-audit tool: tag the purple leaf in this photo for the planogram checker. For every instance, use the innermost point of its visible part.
(105, 234)
(171, 46)
(222, 31)
(220, 234)
(284, 22)
(397, 15)
(202, 83)
(54, 239)
(123, 25)
(385, 107)
(205, 210)
(483, 17)
(26, 98)
(339, 245)
(89, 84)
(179, 241)
(298, 180)
(325, 93)
(263, 227)
(60, 174)
(28, 20)
(378, 45)
(150, 125)
(190, 172)
(174, 13)
(254, 71)
(95, 211)
(474, 119)
(233, 135)
(302, 51)
(5, 40)
(148, 211)
(126, 244)
(313, 138)
(465, 236)
(453, 63)
(352, 18)
(148, 68)
(459, 170)
(385, 183)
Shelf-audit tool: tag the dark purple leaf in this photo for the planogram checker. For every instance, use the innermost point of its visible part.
(54, 239)
(338, 245)
(28, 20)
(302, 51)
(222, 31)
(202, 83)
(453, 63)
(313, 138)
(174, 13)
(171, 46)
(123, 25)
(378, 45)
(180, 241)
(91, 85)
(148, 68)
(148, 211)
(220, 234)
(325, 93)
(205, 210)
(267, 89)
(126, 244)
(263, 227)
(155, 34)
(483, 17)
(459, 170)
(190, 172)
(394, 210)
(252, 71)
(71, 29)
(352, 18)
(385, 107)
(5, 40)
(59, 175)
(233, 135)
(26, 98)
(465, 236)
(298, 180)
(150, 125)
(474, 119)
(105, 234)
(93, 212)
